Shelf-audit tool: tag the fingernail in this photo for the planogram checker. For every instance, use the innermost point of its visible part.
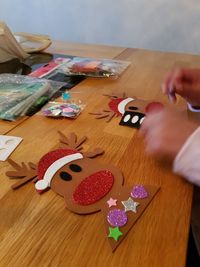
(171, 88)
(172, 98)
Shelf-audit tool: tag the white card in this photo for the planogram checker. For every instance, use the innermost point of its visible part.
(8, 145)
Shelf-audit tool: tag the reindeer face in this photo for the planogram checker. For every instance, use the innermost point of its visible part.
(132, 110)
(85, 183)
(135, 111)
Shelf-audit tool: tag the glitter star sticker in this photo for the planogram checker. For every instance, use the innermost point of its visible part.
(130, 205)
(115, 233)
(112, 202)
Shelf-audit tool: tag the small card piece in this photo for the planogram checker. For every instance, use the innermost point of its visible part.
(7, 145)
(132, 119)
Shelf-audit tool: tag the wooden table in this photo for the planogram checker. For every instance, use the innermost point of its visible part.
(37, 230)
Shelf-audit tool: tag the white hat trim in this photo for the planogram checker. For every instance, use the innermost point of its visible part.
(53, 168)
(123, 103)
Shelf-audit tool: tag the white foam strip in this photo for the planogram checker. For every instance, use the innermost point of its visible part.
(58, 164)
(123, 103)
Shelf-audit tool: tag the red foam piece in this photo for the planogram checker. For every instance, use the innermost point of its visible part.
(93, 188)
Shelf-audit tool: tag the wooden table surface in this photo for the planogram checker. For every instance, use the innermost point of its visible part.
(37, 230)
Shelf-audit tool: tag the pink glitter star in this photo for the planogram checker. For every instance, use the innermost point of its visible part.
(112, 202)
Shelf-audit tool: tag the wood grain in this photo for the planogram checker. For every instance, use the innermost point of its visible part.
(37, 230)
(6, 126)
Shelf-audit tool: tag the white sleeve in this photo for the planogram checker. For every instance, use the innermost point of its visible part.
(187, 161)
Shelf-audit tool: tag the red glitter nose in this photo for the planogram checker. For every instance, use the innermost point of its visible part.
(153, 107)
(93, 188)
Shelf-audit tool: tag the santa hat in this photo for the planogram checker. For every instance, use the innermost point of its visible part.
(50, 163)
(118, 104)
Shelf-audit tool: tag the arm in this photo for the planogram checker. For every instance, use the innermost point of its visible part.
(187, 162)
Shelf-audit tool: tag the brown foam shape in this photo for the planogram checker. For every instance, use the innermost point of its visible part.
(123, 195)
(118, 191)
(137, 104)
(89, 167)
(23, 172)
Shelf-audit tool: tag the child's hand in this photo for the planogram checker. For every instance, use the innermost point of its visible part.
(165, 132)
(184, 82)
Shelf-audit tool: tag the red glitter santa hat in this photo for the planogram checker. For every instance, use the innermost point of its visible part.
(118, 104)
(51, 162)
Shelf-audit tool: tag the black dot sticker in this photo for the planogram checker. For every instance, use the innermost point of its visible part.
(132, 108)
(75, 168)
(65, 176)
(132, 119)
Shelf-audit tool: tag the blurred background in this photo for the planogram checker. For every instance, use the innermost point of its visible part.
(166, 25)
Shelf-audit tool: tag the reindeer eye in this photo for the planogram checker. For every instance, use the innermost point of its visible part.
(132, 108)
(65, 176)
(75, 168)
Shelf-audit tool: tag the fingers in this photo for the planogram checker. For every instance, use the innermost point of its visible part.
(166, 83)
(173, 84)
(149, 122)
(172, 94)
(152, 147)
(154, 128)
(150, 131)
(165, 132)
(184, 82)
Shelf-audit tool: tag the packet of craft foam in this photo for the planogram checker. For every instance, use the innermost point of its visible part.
(91, 67)
(18, 93)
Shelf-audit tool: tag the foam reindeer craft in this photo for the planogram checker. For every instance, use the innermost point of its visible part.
(131, 109)
(87, 185)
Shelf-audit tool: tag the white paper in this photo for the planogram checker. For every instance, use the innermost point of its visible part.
(8, 145)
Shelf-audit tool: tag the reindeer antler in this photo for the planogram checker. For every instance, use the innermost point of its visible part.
(24, 173)
(109, 114)
(71, 141)
(94, 153)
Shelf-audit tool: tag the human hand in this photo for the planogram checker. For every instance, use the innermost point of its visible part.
(184, 82)
(165, 132)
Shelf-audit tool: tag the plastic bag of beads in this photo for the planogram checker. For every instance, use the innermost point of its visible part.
(61, 110)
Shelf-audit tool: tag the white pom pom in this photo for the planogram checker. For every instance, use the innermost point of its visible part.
(41, 185)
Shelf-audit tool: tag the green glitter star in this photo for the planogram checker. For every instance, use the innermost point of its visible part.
(115, 233)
